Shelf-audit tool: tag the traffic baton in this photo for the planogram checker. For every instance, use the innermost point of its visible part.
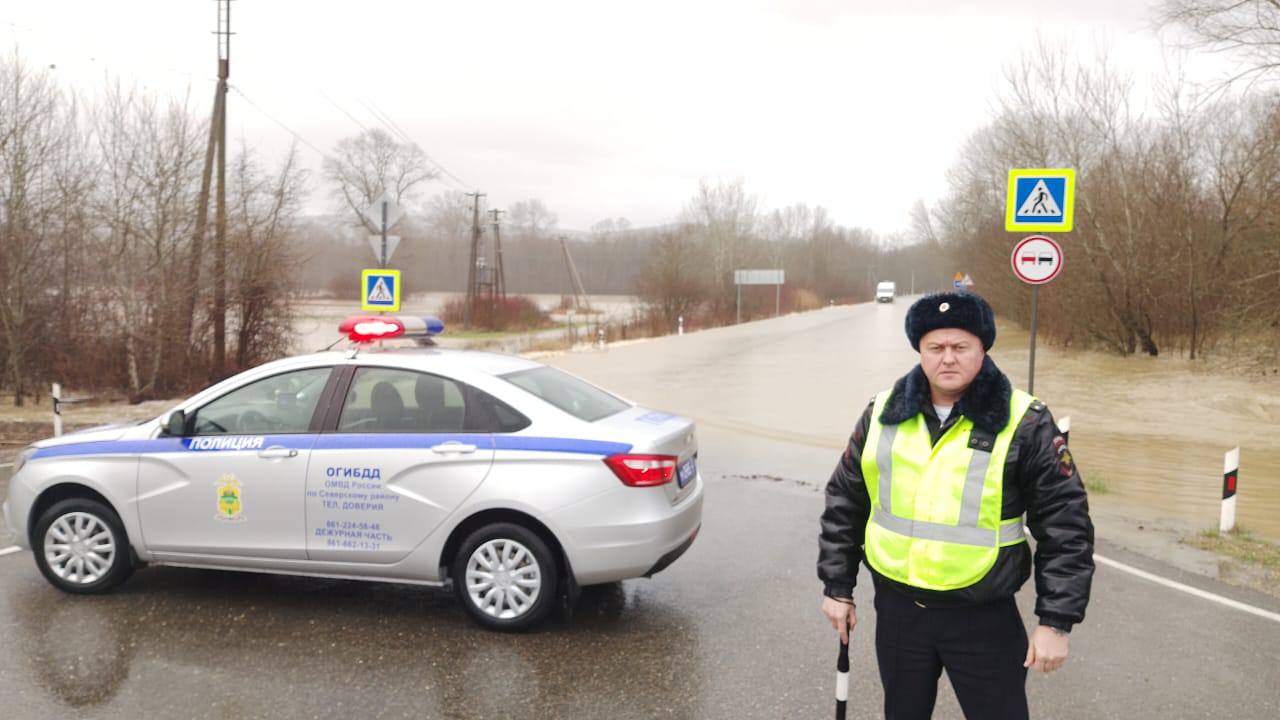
(842, 680)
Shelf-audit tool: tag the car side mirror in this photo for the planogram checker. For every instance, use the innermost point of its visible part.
(176, 425)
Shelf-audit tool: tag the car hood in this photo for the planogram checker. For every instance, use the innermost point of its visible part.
(93, 434)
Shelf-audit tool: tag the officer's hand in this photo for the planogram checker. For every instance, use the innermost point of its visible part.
(843, 616)
(1047, 650)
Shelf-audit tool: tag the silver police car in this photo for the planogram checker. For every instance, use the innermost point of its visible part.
(510, 480)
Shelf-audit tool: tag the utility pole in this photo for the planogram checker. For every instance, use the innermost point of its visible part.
(501, 280)
(220, 218)
(469, 311)
(575, 282)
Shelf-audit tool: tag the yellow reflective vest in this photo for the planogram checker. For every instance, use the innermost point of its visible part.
(935, 509)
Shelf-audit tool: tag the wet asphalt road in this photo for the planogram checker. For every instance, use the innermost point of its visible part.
(731, 630)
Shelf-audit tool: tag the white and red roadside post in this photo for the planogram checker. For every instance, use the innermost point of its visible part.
(1230, 478)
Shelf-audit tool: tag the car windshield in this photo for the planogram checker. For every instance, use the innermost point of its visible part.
(580, 399)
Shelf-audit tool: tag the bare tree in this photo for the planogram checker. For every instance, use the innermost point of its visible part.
(363, 167)
(1249, 29)
(263, 255)
(723, 216)
(37, 132)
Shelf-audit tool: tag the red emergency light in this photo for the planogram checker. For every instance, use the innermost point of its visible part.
(370, 328)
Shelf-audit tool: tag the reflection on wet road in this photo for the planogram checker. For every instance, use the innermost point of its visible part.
(730, 631)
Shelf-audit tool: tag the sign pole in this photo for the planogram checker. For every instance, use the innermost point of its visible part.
(383, 257)
(1035, 312)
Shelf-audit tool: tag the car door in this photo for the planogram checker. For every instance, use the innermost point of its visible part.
(403, 453)
(234, 485)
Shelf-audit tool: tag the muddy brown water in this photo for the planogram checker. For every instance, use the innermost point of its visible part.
(1155, 430)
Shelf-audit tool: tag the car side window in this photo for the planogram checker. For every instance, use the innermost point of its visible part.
(280, 404)
(391, 400)
(383, 400)
(492, 415)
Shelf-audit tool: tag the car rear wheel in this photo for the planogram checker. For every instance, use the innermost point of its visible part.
(506, 577)
(81, 547)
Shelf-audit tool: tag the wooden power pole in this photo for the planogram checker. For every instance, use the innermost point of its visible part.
(469, 311)
(499, 268)
(216, 154)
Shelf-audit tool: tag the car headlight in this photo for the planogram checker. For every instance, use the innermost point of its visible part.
(23, 456)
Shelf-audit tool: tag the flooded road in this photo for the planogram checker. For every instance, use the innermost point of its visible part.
(1154, 430)
(731, 630)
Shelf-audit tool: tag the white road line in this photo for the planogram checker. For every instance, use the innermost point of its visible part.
(10, 550)
(1274, 617)
(6, 465)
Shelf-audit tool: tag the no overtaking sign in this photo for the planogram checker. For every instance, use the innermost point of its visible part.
(1037, 260)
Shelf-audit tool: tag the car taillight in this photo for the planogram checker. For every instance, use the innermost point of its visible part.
(642, 470)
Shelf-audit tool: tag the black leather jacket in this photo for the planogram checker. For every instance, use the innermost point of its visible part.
(1040, 479)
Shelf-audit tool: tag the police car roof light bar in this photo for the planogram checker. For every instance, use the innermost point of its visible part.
(370, 328)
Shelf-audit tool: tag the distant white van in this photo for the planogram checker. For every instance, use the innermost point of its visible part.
(885, 291)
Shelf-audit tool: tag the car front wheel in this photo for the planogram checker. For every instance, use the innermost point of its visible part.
(506, 577)
(81, 547)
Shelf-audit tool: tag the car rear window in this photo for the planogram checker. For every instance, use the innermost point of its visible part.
(579, 399)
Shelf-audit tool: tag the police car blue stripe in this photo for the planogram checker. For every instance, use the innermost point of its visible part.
(334, 441)
(566, 445)
(208, 443)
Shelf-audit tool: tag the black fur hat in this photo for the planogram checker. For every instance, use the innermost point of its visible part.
(962, 310)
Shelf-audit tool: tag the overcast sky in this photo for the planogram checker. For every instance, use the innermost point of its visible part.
(603, 108)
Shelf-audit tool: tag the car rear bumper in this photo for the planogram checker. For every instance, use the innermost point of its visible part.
(628, 533)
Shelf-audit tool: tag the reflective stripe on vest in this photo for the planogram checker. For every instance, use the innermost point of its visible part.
(949, 531)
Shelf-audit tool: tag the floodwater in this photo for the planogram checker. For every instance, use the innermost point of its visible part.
(1154, 430)
(317, 320)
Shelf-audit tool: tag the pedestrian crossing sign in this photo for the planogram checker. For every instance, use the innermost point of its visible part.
(1040, 200)
(380, 290)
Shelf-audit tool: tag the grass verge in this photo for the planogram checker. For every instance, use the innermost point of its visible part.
(1252, 559)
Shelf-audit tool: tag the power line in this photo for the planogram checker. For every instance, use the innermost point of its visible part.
(386, 120)
(343, 111)
(286, 128)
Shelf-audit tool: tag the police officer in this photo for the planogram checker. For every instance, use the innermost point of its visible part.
(931, 493)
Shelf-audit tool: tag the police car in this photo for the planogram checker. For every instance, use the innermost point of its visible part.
(508, 479)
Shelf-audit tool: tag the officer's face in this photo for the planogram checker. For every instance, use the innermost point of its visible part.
(951, 359)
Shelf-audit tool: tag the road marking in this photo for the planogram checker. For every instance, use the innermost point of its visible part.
(6, 465)
(10, 550)
(1274, 617)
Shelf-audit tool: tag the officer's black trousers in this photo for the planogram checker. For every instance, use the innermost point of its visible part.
(982, 648)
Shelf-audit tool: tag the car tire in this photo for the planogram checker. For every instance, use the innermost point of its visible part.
(81, 547)
(506, 577)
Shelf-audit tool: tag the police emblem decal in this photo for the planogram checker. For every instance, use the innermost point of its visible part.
(230, 499)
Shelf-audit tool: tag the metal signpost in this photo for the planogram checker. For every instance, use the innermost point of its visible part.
(1041, 200)
(383, 214)
(777, 278)
(1036, 260)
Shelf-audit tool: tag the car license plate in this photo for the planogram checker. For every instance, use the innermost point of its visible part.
(687, 471)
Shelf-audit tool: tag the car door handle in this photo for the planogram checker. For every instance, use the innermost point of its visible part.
(453, 447)
(277, 452)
